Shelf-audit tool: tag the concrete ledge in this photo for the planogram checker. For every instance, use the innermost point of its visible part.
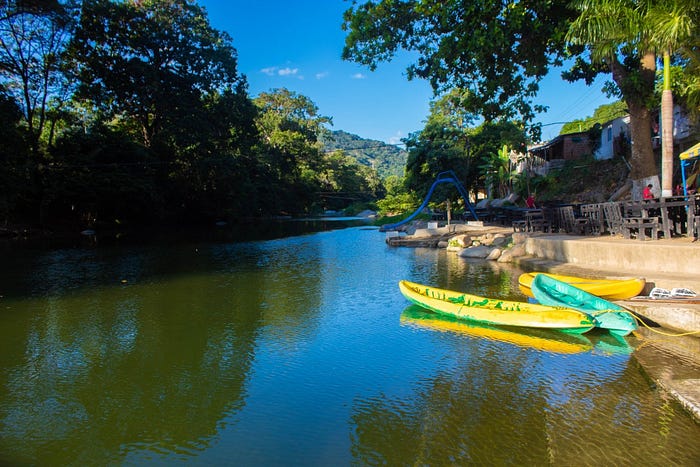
(682, 317)
(639, 257)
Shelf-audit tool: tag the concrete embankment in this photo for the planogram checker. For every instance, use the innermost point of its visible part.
(663, 263)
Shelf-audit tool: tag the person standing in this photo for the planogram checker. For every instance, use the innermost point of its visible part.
(530, 202)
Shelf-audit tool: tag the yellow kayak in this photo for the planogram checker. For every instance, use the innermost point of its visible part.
(496, 312)
(609, 289)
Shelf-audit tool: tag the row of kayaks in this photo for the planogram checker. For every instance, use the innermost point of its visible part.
(569, 304)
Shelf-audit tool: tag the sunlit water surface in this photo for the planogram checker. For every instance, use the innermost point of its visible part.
(302, 351)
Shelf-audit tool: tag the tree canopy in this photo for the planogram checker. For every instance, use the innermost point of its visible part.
(151, 60)
(118, 112)
(497, 51)
(500, 51)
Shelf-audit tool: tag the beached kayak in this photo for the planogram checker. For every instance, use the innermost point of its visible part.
(494, 311)
(609, 289)
(607, 315)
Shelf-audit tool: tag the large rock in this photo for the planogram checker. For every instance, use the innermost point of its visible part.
(499, 240)
(517, 251)
(494, 255)
(486, 239)
(509, 255)
(475, 252)
(461, 241)
(506, 256)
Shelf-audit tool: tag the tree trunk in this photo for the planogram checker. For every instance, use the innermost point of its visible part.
(667, 131)
(642, 160)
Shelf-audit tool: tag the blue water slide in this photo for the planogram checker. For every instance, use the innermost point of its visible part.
(443, 177)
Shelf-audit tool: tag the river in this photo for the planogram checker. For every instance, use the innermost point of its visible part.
(221, 349)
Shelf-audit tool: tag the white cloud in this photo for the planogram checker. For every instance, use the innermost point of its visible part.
(288, 71)
(358, 76)
(322, 75)
(396, 139)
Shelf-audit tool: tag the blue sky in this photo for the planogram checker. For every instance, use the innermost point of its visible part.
(297, 44)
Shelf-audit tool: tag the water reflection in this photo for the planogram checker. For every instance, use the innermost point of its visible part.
(543, 340)
(299, 351)
(155, 364)
(147, 366)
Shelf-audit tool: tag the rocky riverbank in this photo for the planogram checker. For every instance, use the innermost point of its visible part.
(471, 240)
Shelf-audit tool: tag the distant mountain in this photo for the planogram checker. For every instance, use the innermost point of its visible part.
(387, 159)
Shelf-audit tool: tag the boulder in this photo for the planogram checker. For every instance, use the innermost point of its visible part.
(461, 241)
(475, 252)
(506, 256)
(500, 240)
(517, 251)
(494, 255)
(486, 239)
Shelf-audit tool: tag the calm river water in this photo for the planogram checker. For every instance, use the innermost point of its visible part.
(300, 350)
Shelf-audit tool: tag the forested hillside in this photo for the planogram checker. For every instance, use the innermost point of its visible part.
(387, 159)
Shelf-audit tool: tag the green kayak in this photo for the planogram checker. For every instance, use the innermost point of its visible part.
(607, 315)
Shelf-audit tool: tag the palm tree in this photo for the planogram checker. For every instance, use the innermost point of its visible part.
(620, 33)
(672, 25)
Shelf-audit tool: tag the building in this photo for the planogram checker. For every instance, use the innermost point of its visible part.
(614, 138)
(552, 154)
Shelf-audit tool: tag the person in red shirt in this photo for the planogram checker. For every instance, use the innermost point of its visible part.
(647, 194)
(530, 202)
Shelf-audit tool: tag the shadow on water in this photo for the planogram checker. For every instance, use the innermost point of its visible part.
(92, 369)
(40, 267)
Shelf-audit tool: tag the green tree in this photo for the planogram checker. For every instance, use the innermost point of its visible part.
(499, 51)
(13, 158)
(33, 39)
(488, 141)
(601, 115)
(449, 142)
(150, 62)
(351, 181)
(498, 173)
(443, 144)
(290, 125)
(673, 25)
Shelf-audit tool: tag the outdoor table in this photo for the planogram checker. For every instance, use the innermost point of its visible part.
(669, 219)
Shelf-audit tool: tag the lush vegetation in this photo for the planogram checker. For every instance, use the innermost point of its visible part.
(500, 51)
(601, 115)
(387, 159)
(134, 112)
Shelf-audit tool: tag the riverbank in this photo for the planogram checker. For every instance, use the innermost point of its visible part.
(668, 354)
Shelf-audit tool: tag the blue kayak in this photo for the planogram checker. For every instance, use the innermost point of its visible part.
(607, 315)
